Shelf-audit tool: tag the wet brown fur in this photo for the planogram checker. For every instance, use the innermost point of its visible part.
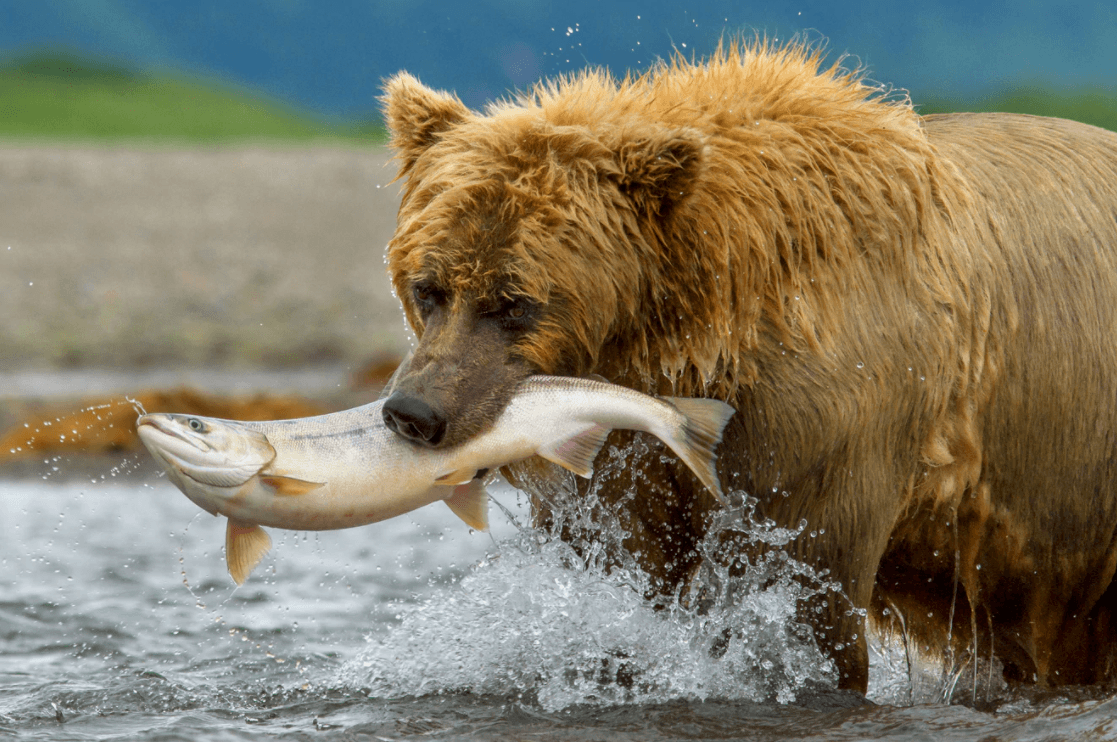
(916, 319)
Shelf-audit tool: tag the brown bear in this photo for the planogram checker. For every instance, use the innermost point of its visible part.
(915, 318)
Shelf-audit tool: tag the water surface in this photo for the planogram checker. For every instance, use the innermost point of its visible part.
(118, 621)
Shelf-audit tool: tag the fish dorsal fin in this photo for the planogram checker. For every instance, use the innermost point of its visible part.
(245, 545)
(458, 476)
(578, 452)
(289, 486)
(470, 502)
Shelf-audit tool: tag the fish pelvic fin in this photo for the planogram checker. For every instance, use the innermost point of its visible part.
(289, 486)
(245, 545)
(697, 441)
(470, 502)
(578, 452)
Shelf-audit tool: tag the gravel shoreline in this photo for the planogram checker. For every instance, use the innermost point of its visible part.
(243, 257)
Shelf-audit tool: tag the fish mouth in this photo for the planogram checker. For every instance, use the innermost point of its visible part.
(171, 450)
(167, 426)
(167, 441)
(159, 422)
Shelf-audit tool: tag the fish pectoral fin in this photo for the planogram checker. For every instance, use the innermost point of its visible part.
(245, 545)
(225, 477)
(458, 476)
(577, 452)
(470, 502)
(289, 485)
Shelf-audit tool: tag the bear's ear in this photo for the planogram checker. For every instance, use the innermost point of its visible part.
(658, 170)
(417, 115)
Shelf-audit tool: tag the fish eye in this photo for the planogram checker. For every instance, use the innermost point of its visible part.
(196, 425)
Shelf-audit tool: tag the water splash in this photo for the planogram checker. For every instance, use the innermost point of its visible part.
(540, 622)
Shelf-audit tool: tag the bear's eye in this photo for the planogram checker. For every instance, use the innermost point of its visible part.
(426, 297)
(515, 315)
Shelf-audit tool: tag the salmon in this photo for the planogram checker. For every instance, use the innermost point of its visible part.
(349, 469)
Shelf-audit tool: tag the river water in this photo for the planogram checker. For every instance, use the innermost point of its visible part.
(118, 621)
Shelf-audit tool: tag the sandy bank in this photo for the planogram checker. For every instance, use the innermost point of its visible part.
(234, 257)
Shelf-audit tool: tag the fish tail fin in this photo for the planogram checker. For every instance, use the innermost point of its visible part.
(245, 545)
(703, 424)
(470, 502)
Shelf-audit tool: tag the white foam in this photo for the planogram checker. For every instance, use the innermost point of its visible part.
(540, 622)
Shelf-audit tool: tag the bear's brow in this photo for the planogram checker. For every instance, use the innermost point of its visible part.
(500, 298)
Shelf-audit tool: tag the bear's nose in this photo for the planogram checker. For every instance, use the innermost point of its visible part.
(413, 419)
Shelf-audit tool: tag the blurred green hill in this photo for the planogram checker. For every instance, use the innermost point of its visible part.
(59, 95)
(1090, 106)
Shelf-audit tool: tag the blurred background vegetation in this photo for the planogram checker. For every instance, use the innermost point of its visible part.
(61, 95)
(52, 95)
(1090, 106)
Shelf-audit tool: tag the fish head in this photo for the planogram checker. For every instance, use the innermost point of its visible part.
(207, 458)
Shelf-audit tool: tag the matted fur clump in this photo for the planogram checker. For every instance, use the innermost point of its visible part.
(914, 317)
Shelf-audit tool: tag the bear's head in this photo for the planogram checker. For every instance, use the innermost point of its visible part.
(528, 241)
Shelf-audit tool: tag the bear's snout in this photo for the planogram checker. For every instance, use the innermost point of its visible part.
(414, 419)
